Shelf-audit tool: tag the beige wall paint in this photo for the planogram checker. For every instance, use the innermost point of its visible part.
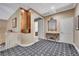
(21, 38)
(58, 17)
(3, 27)
(15, 15)
(76, 39)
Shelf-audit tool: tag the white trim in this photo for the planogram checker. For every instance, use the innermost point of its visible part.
(25, 45)
(76, 47)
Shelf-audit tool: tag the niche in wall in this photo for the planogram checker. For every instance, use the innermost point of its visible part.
(20, 21)
(77, 23)
(25, 21)
(52, 24)
(14, 22)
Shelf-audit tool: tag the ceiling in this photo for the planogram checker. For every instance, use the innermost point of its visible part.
(7, 9)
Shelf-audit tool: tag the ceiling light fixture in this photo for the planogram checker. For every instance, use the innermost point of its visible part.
(52, 7)
(22, 10)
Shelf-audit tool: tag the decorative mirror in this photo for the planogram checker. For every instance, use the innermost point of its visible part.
(52, 25)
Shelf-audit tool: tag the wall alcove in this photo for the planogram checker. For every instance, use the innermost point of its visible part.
(52, 25)
(52, 33)
(25, 21)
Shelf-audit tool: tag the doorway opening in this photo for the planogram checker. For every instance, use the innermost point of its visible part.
(36, 28)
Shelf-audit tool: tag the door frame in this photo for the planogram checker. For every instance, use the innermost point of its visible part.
(72, 31)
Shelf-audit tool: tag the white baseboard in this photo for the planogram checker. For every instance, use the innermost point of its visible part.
(25, 45)
(76, 47)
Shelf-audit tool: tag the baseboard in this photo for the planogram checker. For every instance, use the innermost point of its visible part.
(25, 45)
(76, 47)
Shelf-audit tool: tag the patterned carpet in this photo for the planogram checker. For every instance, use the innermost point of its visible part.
(42, 48)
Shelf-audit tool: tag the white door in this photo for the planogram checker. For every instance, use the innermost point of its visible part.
(36, 28)
(41, 29)
(66, 30)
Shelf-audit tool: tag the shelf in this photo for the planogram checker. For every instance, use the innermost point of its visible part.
(53, 32)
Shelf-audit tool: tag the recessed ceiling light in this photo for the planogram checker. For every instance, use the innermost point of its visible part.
(22, 10)
(52, 7)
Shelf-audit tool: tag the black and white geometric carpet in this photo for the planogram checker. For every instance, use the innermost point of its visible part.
(42, 48)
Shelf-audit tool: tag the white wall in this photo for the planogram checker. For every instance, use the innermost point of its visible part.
(76, 39)
(15, 15)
